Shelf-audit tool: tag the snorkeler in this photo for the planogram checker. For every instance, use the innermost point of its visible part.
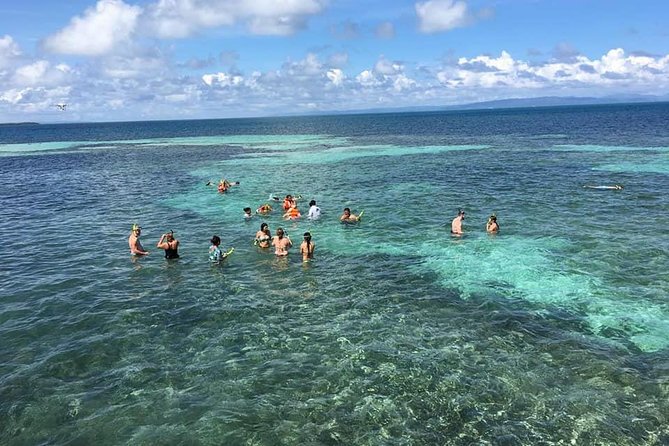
(292, 213)
(169, 244)
(263, 237)
(136, 247)
(307, 248)
(456, 224)
(264, 209)
(492, 227)
(281, 243)
(347, 217)
(614, 187)
(288, 202)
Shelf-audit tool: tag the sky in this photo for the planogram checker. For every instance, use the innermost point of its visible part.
(127, 60)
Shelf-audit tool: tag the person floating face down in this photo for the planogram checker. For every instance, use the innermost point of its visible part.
(169, 244)
(456, 224)
(307, 247)
(136, 248)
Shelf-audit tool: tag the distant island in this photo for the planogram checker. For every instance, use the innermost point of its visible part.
(8, 124)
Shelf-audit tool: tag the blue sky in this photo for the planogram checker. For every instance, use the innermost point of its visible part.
(172, 59)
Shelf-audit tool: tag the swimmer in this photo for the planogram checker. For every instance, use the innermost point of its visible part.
(264, 209)
(247, 214)
(456, 224)
(347, 217)
(492, 227)
(307, 248)
(274, 197)
(615, 187)
(281, 243)
(288, 202)
(223, 186)
(293, 213)
(263, 237)
(136, 248)
(215, 253)
(314, 211)
(169, 244)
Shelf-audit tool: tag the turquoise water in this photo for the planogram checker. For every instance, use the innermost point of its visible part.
(555, 331)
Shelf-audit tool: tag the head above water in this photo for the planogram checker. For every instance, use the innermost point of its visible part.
(247, 210)
(307, 236)
(264, 226)
(279, 232)
(215, 240)
(312, 203)
(136, 228)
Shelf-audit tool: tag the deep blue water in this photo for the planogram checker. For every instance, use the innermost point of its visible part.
(555, 331)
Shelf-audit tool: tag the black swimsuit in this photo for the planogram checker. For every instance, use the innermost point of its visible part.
(171, 253)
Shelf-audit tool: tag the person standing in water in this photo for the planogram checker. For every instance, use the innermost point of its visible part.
(215, 253)
(281, 243)
(307, 248)
(136, 248)
(347, 217)
(314, 211)
(492, 227)
(263, 237)
(456, 224)
(169, 244)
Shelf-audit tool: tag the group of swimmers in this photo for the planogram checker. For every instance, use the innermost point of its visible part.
(491, 227)
(263, 238)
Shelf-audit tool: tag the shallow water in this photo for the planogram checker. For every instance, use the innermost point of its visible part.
(555, 331)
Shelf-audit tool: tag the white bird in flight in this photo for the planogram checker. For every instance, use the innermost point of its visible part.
(61, 106)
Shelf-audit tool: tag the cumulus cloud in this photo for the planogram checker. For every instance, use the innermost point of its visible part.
(614, 68)
(9, 51)
(336, 76)
(98, 31)
(385, 30)
(441, 15)
(181, 18)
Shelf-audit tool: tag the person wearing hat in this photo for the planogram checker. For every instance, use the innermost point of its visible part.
(136, 248)
(169, 244)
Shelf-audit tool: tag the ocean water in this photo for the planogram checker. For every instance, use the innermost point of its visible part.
(554, 331)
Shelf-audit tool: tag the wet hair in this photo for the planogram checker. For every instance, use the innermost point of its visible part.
(461, 212)
(247, 209)
(307, 240)
(280, 230)
(264, 225)
(215, 240)
(312, 203)
(347, 209)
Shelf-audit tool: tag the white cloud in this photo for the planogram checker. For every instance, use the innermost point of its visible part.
(99, 31)
(336, 76)
(441, 15)
(222, 79)
(181, 18)
(504, 72)
(9, 51)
